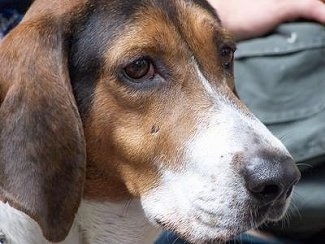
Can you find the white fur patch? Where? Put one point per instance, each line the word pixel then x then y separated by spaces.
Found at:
pixel 18 227
pixel 115 223
pixel 96 223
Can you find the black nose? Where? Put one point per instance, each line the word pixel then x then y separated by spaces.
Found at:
pixel 270 176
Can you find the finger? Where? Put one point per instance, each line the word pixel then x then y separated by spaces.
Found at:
pixel 314 10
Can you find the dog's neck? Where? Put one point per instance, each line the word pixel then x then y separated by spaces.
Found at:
pixel 96 223
pixel 115 223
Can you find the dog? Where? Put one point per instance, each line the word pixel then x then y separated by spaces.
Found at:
pixel 119 118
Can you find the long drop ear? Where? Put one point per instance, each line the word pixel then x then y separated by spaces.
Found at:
pixel 42 146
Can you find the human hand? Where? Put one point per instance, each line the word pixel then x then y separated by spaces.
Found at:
pixel 251 18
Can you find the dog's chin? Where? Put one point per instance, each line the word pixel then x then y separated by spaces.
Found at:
pixel 205 229
pixel 202 233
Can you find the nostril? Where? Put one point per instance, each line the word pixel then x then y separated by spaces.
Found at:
pixel 270 190
pixel 265 192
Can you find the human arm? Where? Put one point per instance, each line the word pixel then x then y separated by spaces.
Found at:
pixel 251 18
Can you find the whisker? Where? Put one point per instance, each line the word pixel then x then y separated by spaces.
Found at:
pixel 305 165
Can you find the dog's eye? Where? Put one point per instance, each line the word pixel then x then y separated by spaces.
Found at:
pixel 227 56
pixel 140 70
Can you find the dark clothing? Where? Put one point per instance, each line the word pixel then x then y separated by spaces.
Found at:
pixel 19 5
pixel 11 13
pixel 170 238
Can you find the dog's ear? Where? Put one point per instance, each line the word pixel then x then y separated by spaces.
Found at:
pixel 42 147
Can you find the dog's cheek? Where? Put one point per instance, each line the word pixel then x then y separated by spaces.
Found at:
pixel 141 180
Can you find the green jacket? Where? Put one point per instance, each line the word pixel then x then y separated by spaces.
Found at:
pixel 281 77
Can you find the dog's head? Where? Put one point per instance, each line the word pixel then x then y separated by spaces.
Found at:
pixel 147 85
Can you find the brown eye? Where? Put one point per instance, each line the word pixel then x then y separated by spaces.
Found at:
pixel 139 70
pixel 227 55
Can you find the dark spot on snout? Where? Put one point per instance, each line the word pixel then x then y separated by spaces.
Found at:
pixel 155 129
pixel 238 159
pixel 257 140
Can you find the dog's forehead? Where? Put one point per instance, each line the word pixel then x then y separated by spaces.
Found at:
pixel 120 26
pixel 171 7
pixel 126 25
